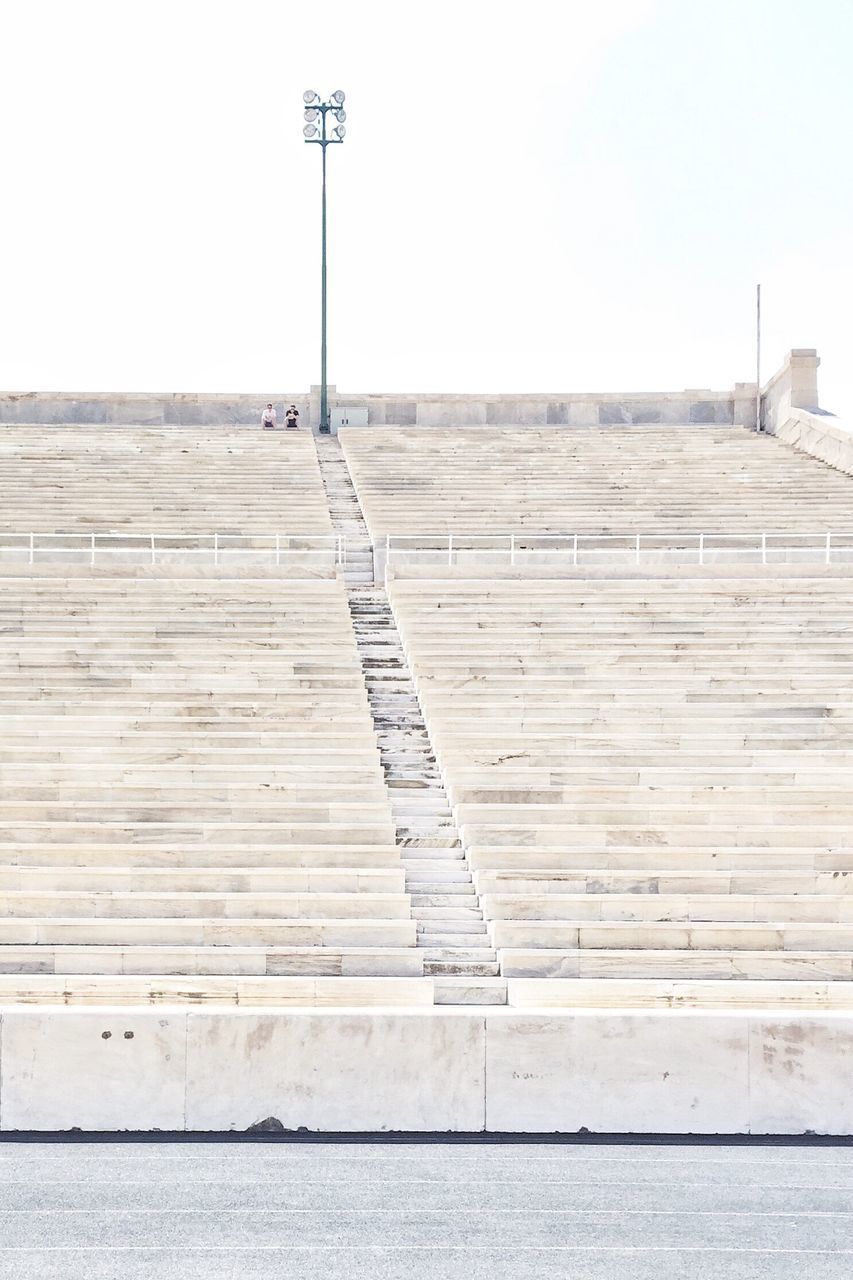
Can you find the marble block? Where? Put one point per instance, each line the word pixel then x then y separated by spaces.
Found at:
pixel 102 1069
pixel 336 1071
pixel 674 1072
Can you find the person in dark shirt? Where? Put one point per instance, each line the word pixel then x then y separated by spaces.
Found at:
pixel 291 418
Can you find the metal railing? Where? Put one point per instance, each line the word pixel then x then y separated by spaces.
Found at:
pixel 518 547
pixel 169 548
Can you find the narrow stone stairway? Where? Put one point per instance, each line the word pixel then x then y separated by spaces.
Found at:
pixel 345 512
pixel 451 930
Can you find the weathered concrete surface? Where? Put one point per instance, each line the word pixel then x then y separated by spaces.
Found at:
pixel 427 1070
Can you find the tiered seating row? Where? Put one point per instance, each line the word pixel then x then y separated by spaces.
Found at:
pixel 171 480
pixel 191 783
pixel 651 776
pixel 608 480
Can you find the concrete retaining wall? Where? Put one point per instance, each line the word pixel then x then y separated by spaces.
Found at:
pixel 466 1070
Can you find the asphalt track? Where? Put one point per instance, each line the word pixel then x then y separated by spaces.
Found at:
pixel 435 1209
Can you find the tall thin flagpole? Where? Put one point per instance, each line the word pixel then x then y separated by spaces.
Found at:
pixel 758 426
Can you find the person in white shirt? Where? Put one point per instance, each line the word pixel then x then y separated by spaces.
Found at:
pixel 268 418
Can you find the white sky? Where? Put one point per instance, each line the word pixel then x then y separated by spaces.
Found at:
pixel 560 195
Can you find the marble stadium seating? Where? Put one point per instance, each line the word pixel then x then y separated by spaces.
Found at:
pixel 217 779
pixel 650 775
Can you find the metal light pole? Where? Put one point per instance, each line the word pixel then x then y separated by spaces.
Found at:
pixel 316 111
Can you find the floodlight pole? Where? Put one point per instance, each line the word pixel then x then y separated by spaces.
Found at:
pixel 313 107
pixel 324 385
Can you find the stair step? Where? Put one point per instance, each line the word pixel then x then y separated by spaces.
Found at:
pixel 461 968
pixel 441 872
pixel 422 842
pixel 416 859
pixel 469 989
pixel 457 892
pixel 448 918
pixel 408 840
pixel 444 902
pixel 469 929
pixel 459 945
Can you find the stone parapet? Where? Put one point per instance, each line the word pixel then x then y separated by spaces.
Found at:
pixel 794 386
pixel 720 408
pixel 820 435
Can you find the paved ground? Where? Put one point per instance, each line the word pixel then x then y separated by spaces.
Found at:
pixel 432 1211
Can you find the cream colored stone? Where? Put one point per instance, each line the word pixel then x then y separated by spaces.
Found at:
pixel 336 1071
pixel 801 1074
pixel 655 1072
pixel 110 1069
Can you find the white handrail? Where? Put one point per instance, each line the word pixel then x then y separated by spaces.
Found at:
pixel 42 546
pixel 518 544
pixel 628 536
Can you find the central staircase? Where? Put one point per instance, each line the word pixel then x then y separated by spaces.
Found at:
pixel 458 951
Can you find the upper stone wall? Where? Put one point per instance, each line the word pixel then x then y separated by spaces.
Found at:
pixel 793 386
pixel 721 408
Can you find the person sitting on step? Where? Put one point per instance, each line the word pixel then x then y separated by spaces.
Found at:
pixel 268 418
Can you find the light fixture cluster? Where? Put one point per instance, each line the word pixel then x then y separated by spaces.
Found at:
pixel 315 116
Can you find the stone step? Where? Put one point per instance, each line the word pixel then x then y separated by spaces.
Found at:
pixel 129 991
pixel 410 842
pixel 421 876
pixel 664 993
pixel 400 784
pixel 431 914
pixel 674 857
pixel 450 965
pixel 178 855
pixel 780 935
pixel 450 920
pixel 470 990
pixel 607 963
pixel 119 931
pixel 720 908
pixel 443 945
pixel 197 960
pixel 174 904
pixel 462 890
pixel 421 801
pixel 176 879
pixel 665 882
